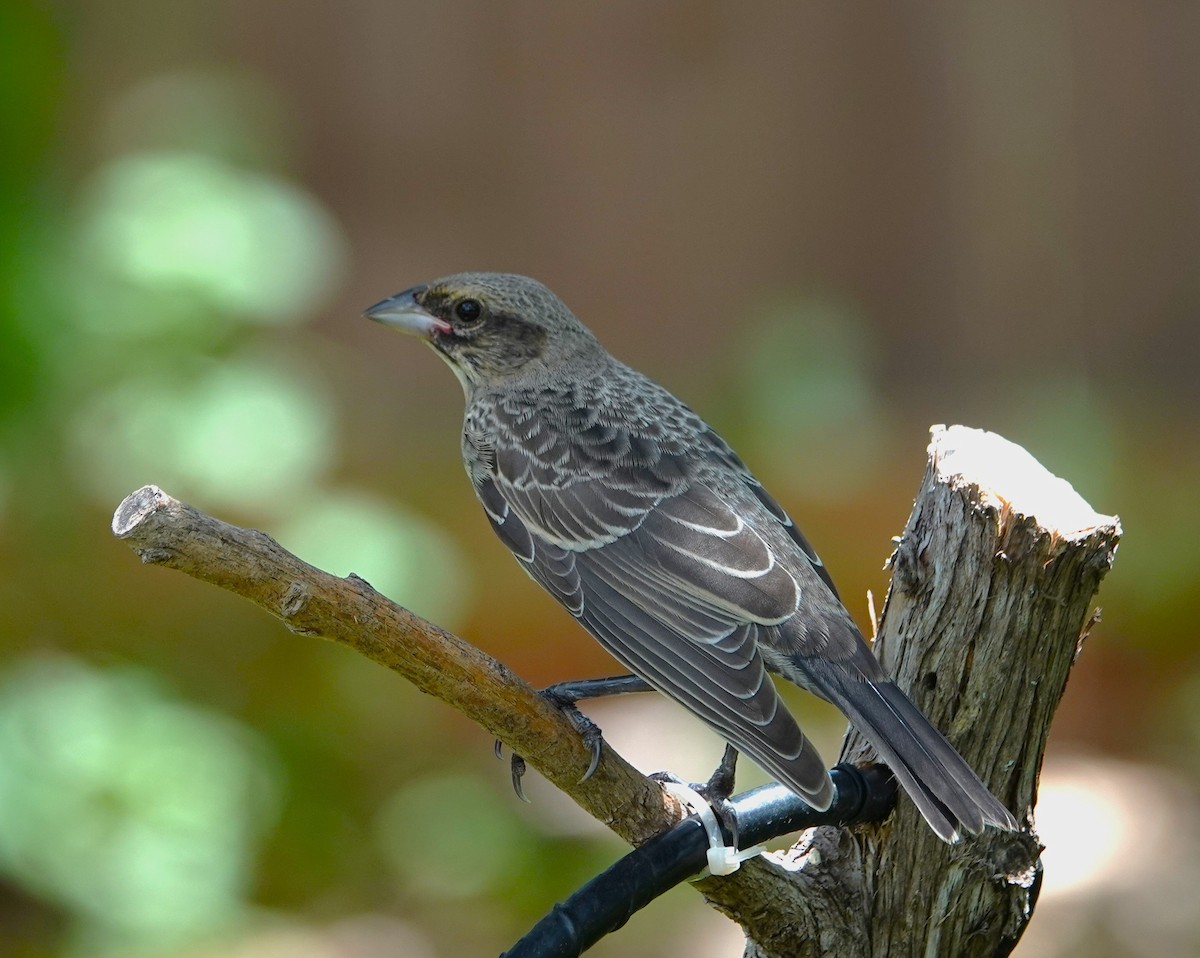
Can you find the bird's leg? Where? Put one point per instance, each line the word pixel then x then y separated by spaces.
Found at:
pixel 716 791
pixel 720 784
pixel 564 696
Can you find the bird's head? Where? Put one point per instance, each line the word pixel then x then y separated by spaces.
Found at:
pixel 492 328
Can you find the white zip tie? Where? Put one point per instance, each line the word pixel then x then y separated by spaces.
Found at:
pixel 722 859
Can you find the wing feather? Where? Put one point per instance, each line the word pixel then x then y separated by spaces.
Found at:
pixel 740 704
pixel 660 606
pixel 678 577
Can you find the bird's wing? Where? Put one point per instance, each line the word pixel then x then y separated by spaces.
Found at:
pixel 792 530
pixel 678 586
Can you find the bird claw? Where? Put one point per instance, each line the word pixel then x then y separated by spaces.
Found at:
pixel 518 771
pixel 588 730
pixel 594 740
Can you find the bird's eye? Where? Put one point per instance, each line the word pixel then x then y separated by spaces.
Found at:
pixel 468 310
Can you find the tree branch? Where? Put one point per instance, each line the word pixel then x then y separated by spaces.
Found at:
pixel 992 582
pixel 166 532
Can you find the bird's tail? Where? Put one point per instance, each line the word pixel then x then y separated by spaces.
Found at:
pixel 939 781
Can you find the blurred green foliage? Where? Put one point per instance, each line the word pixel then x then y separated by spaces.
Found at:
pixel 153 327
pixel 137 814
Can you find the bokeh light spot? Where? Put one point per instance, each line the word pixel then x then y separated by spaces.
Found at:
pixel 240 241
pixel 137 812
pixel 238 433
pixel 407 558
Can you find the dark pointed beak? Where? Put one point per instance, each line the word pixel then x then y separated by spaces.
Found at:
pixel 407 315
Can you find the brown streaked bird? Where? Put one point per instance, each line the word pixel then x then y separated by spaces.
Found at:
pixel 645 525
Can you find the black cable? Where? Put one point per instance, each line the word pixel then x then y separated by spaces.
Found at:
pixel 609 900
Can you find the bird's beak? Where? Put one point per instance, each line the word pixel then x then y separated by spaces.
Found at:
pixel 407 315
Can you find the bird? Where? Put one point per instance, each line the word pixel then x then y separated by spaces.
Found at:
pixel 630 510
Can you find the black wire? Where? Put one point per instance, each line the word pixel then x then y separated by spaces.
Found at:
pixel 609 900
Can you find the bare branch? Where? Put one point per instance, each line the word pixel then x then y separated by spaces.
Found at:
pixel 166 532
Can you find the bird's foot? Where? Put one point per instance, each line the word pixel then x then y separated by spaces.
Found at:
pixel 716 792
pixel 563 697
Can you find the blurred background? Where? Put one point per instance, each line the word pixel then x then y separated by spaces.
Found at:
pixel 826 226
